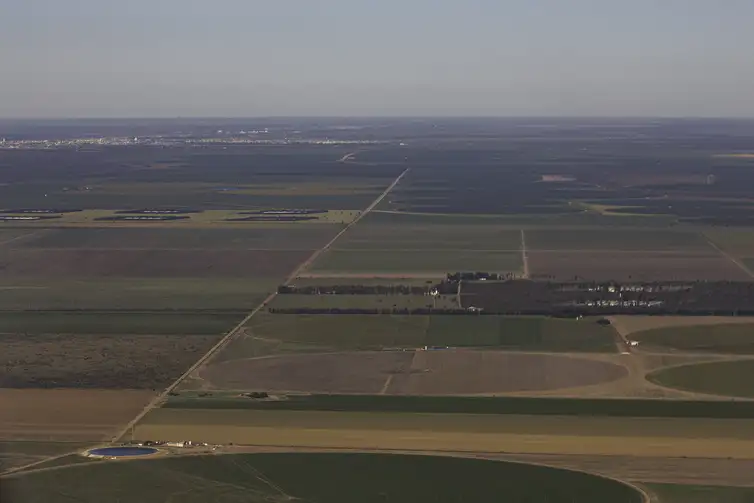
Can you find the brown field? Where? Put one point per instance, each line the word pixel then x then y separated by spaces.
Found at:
pixel 626 325
pixel 67 414
pixel 637 266
pixel 421 372
pixel 465 433
pixel 98 361
pixel 71 263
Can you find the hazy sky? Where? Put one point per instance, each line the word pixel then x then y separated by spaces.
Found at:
pixel 144 58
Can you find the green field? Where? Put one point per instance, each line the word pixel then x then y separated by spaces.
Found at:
pixel 476 405
pixel 104 322
pixel 613 239
pixel 135 293
pixel 364 302
pixel 727 378
pixel 521 333
pixel 426 261
pixel 369 332
pixel 332 478
pixel 671 493
pixel 725 338
pixel 339 332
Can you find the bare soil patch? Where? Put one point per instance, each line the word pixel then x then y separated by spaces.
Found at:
pixel 422 372
pixel 67 414
pixel 627 325
pixel 472 372
pixel 635 266
pixel 364 372
pixel 97 361
pixel 89 263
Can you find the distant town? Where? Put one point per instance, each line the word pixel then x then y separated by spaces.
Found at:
pixel 257 137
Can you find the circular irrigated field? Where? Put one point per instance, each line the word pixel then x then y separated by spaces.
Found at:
pixel 734 338
pixel 727 378
pixel 450 372
pixel 333 478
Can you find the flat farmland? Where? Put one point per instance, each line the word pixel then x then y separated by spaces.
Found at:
pixel 634 266
pixel 92 361
pixel 430 237
pixel 670 493
pixel 366 477
pixel 449 372
pixel 628 325
pixel 107 322
pixel 67 415
pixel 299 238
pixel 22 452
pixel 741 429
pixel 389 280
pixel 522 333
pixel 270 333
pixel 616 239
pixel 10 236
pixel 738 242
pixel 734 378
pixel 135 294
pixel 460 433
pixel 93 263
pixel 364 302
pixel 732 338
pixel 333 332
pixel 425 261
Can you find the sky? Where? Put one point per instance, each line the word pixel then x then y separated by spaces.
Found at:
pixel 252 58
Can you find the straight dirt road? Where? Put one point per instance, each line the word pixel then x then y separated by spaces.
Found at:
pixel 524 255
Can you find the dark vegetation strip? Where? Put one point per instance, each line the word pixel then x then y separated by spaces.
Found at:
pixel 482 405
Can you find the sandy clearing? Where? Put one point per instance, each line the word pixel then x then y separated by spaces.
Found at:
pixel 66 414
pixel 627 325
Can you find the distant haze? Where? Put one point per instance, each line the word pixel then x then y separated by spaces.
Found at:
pixel 169 58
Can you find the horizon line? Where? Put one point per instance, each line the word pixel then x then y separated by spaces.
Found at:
pixel 366 117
